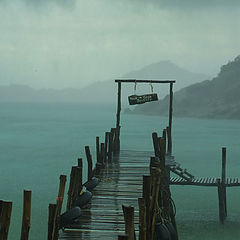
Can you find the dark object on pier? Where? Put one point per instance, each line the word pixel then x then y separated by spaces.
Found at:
pixel 171 230
pixel 161 232
pixel 140 99
pixel 70 216
pixel 90 185
pixel 83 199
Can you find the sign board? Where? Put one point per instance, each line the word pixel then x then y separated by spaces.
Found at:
pixel 140 99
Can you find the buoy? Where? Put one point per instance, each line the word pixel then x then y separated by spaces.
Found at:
pixel 69 217
pixel 91 184
pixel 161 232
pixel 83 199
pixel 171 230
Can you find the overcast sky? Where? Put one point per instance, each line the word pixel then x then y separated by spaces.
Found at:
pixel 67 43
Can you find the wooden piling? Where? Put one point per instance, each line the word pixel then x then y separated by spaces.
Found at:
pixel 117 136
pixel 59 202
pixel 89 161
pixel 51 214
pixel 123 237
pixel 220 201
pixel 147 199
pixel 128 213
pixel 223 179
pixel 142 219
pixel 170 119
pixel 26 214
pixel 106 146
pixel 102 154
pixel 110 146
pixel 5 219
pixel 156 144
pixel 97 149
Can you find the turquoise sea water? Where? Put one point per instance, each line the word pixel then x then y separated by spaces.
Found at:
pixel 38 142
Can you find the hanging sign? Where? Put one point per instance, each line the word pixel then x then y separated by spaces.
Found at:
pixel 140 99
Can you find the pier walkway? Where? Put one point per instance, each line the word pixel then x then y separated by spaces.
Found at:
pixel 121 183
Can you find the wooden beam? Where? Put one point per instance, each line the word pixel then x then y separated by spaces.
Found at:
pixel 143 81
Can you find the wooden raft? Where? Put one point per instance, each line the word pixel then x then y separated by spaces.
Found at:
pixel 121 183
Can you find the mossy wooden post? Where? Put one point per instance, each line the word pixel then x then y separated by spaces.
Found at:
pixel 110 146
pixel 71 188
pixel 117 134
pixel 5 219
pixel 97 149
pixel 26 214
pixel 51 214
pixel 63 179
pixel 128 213
pixel 102 154
pixel 146 196
pixel 142 219
pixel 170 118
pixel 89 161
pixel 123 237
pixel 155 192
pixel 220 201
pixel 106 146
pixel 156 144
pixel 223 180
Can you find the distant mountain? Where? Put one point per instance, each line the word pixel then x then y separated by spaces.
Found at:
pixel 104 91
pixel 218 98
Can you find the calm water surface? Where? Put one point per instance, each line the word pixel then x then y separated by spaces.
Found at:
pixel 38 142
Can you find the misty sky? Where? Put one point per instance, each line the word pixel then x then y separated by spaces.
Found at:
pixel 67 43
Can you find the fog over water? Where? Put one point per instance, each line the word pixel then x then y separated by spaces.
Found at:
pixel 71 43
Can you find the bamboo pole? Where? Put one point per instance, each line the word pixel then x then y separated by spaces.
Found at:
pixel 51 214
pixel 26 215
pixel 5 219
pixel 128 213
pixel 59 202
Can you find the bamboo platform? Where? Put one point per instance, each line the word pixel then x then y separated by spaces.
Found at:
pixel 121 183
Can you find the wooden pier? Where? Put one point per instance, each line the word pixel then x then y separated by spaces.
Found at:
pixel 121 184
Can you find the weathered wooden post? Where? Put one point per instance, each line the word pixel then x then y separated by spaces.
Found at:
pixel 117 134
pixel 51 214
pixel 89 161
pixel 110 146
pixel 156 144
pixel 26 214
pixel 123 237
pixel 5 218
pixel 223 180
pixel 170 118
pixel 142 219
pixel 220 201
pixel 106 146
pixel 63 179
pixel 128 213
pixel 147 196
pixel 97 149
